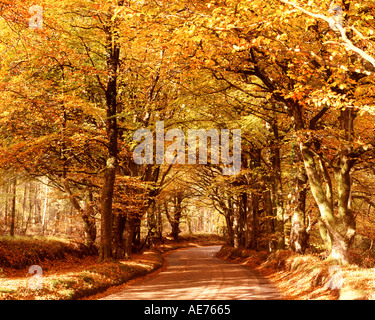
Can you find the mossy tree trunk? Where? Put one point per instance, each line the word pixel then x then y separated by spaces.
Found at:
pixel 340 223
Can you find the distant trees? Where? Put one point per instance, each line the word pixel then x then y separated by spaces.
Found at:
pixel 33 207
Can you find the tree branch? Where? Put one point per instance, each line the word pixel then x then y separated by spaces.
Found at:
pixel 345 41
pixel 356 153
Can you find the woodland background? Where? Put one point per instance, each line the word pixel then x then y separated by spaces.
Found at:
pixel 296 77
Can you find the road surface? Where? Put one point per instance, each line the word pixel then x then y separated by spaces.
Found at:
pixel 196 273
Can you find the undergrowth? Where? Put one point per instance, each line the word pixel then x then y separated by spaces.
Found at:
pixel 20 252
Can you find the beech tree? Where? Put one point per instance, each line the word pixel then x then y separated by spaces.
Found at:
pixel 302 74
pixel 340 224
pixel 46 130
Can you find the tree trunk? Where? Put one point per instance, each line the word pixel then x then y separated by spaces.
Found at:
pixel 13 208
pixel 129 230
pixel 276 184
pixel 119 221
pixel 89 227
pixel 159 224
pixel 44 216
pixel 106 211
pixel 31 206
pixel 269 221
pixel 137 233
pixel 236 226
pixel 229 223
pixel 299 233
pixel 345 220
pixel 174 220
pixel 247 219
pixel 113 61
pixel 176 226
pixel 6 209
pixel 252 214
pixel 340 226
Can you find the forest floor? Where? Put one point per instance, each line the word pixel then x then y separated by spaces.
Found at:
pixel 307 277
pixel 70 272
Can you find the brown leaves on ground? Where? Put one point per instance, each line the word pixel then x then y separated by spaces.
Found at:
pixel 68 269
pixel 69 273
pixel 73 278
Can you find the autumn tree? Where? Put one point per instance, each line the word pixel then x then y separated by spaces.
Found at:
pixel 296 78
pixel 49 118
pixel 339 221
pixel 301 74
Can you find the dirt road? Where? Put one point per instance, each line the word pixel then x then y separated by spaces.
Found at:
pixel 196 273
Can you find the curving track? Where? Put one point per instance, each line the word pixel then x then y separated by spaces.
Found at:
pixel 196 273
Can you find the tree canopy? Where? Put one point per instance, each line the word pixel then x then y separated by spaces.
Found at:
pixel 79 78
